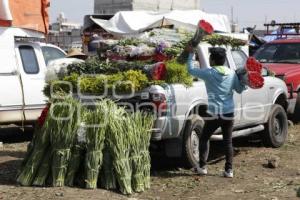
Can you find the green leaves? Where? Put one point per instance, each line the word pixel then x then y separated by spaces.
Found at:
pixel 221 40
pixel 177 73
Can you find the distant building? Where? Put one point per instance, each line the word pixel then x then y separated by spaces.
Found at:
pixel 65 34
pixel 113 6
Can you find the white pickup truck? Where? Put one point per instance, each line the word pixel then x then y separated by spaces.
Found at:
pixel 23 64
pixel 181 110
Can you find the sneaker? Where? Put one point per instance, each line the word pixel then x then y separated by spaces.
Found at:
pixel 201 171
pixel 228 173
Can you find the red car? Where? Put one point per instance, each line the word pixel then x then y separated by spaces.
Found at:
pixel 282 57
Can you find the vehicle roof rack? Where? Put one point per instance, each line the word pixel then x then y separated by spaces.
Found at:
pixel 281 28
pixel 29 39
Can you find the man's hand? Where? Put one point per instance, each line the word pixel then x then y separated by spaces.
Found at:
pixel 189 48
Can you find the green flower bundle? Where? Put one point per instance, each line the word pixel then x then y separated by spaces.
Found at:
pixel 36 152
pixel 77 152
pixel 119 142
pixel 146 125
pixel 96 127
pixel 107 176
pixel 62 137
pixel 177 73
pixel 139 125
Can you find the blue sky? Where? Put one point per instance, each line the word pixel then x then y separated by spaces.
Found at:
pixel 247 13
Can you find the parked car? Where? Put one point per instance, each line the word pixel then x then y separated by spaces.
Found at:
pixel 23 61
pixel 181 110
pixel 283 58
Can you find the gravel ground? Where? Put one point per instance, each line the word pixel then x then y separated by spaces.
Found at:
pixel 253 179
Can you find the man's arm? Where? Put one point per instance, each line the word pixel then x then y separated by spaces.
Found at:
pixel 237 85
pixel 195 71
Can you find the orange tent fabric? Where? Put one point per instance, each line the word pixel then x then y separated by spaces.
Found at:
pixel 29 14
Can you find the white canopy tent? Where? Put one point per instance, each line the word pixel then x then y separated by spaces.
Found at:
pixel 135 22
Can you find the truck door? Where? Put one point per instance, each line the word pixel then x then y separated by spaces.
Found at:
pixel 10 87
pixel 237 98
pixel 254 102
pixel 32 69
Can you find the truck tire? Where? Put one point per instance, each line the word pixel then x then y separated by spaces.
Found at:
pixel 276 129
pixel 296 114
pixel 192 133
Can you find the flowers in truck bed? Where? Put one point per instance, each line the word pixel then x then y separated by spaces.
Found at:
pixel 158 49
pixel 159 71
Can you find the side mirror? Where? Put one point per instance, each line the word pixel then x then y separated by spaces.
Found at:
pixel 265 72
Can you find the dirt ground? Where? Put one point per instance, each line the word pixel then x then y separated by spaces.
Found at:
pixel 253 180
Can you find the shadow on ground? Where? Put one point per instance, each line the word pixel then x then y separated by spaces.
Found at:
pixel 8 172
pixel 161 163
pixel 15 134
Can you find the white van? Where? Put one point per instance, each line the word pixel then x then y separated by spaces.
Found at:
pixel 23 61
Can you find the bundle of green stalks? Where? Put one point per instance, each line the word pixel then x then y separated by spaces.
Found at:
pixel 30 148
pixel 36 152
pixel 77 152
pixel 146 125
pixel 135 129
pixel 107 175
pixel 65 127
pixel 96 126
pixel 109 147
pixel 77 156
pixel 44 169
pixel 118 139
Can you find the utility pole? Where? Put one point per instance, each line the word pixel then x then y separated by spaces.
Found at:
pixel 232 21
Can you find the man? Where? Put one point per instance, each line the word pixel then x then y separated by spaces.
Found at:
pixel 220 82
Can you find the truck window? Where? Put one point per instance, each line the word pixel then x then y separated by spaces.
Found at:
pixel 51 53
pixel 239 58
pixel 279 53
pixel 29 60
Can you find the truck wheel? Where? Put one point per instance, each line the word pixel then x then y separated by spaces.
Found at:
pixel 276 129
pixel 192 132
pixel 296 114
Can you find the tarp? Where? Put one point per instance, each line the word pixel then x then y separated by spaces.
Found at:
pixel 29 14
pixel 134 22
